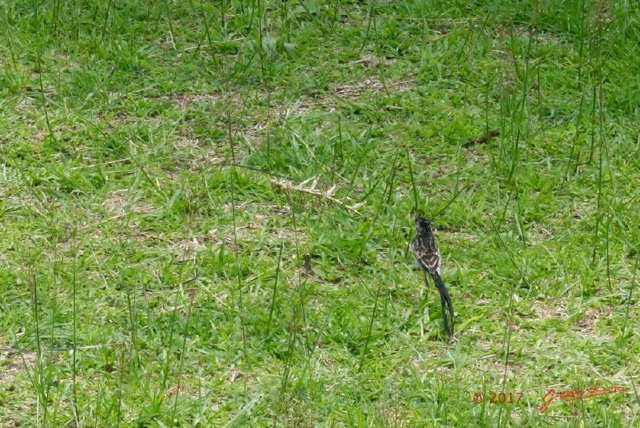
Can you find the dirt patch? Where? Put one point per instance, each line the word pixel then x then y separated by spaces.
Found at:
pixel 370 85
pixel 116 201
pixel 13 363
pixel 183 101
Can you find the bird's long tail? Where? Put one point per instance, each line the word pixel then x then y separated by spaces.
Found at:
pixel 447 306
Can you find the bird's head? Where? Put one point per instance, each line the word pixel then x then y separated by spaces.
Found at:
pixel 423 225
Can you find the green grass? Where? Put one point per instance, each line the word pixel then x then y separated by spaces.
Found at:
pixel 167 167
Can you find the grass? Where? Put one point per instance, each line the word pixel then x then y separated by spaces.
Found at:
pixel 207 208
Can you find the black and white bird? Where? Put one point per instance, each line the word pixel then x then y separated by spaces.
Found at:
pixel 427 256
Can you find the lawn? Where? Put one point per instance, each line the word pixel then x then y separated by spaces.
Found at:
pixel 207 208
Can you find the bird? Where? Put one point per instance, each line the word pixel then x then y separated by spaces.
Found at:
pixel 427 257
